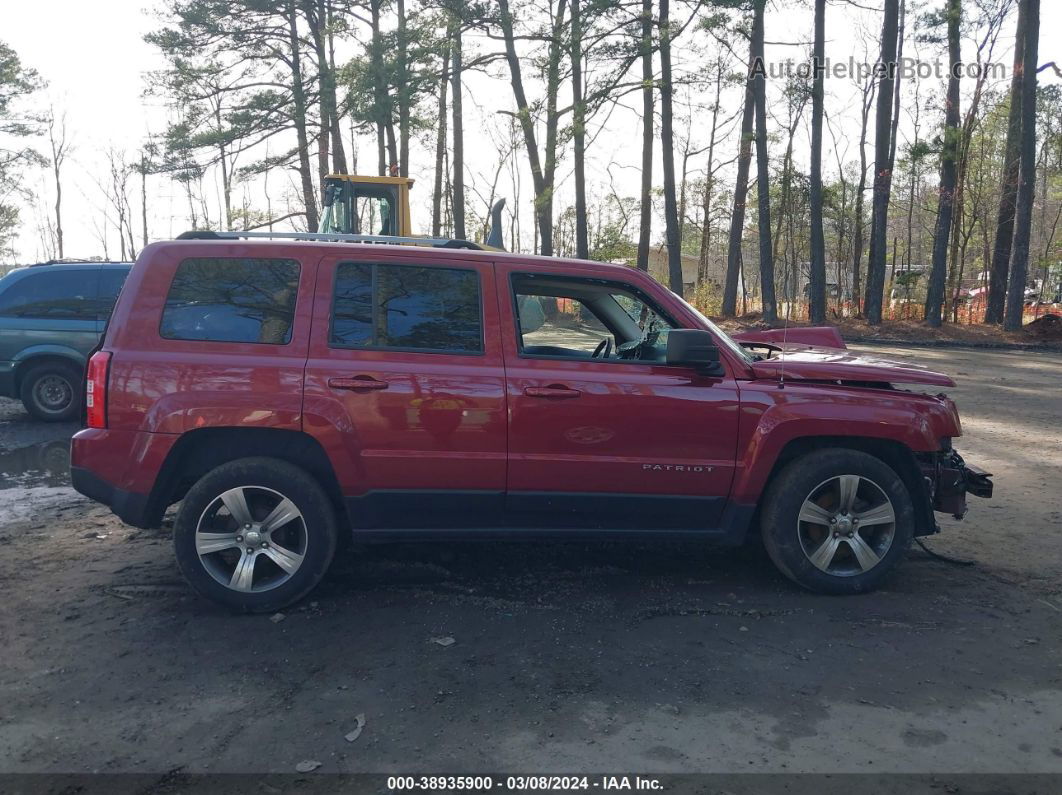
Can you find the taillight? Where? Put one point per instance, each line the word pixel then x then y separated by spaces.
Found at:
pixel 96 389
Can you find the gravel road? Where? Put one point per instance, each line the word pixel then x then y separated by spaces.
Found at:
pixel 610 657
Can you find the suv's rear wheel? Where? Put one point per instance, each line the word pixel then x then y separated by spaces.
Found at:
pixel 52 391
pixel 837 521
pixel 255 534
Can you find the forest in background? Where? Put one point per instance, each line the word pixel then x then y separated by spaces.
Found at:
pixel 955 218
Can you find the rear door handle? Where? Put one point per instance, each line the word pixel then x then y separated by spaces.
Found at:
pixel 357 383
pixel 551 391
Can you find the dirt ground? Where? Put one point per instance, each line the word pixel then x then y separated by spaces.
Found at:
pixel 608 657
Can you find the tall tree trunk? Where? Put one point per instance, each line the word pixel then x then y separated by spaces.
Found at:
pixel 861 189
pixel 818 237
pixel 143 200
pixel 763 174
pixel 882 170
pixel 948 157
pixel 380 104
pixel 339 155
pixel 1019 258
pixel 709 184
pixel 315 22
pixel 896 85
pixel 403 92
pixel 1008 197
pixel 645 225
pixel 392 147
pixel 741 193
pixel 582 235
pixel 298 93
pixel 458 159
pixel 440 147
pixel 970 120
pixel 57 165
pixel 226 176
pixel 915 176
pixel 783 206
pixel 381 150
pixel 541 175
pixel 667 142
pixel 553 81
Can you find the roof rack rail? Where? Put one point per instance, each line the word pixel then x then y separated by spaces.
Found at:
pixel 68 261
pixel 324 237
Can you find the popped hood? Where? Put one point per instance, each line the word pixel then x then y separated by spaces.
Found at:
pixel 799 362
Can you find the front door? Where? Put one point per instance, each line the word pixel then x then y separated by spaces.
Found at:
pixel 405 385
pixel 602 432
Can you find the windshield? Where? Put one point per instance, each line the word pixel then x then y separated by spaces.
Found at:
pixel 721 335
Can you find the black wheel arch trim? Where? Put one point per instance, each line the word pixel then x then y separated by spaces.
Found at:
pixel 198 451
pixel 903 461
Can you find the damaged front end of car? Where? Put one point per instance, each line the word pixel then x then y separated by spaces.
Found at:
pixel 949 479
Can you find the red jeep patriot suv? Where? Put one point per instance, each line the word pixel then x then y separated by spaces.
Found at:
pixel 287 392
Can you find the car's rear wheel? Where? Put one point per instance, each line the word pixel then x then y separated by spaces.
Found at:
pixel 52 391
pixel 837 521
pixel 255 534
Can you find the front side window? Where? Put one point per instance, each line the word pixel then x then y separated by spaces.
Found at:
pixel 587 318
pixel 232 299
pixel 407 307
pixel 53 294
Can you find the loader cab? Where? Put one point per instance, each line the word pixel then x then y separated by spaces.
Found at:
pixel 357 205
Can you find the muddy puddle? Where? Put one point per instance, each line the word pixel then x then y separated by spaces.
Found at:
pixel 35 465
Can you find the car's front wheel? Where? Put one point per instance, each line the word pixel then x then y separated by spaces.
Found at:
pixel 255 534
pixel 837 521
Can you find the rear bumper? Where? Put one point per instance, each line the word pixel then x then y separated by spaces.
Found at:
pixel 129 506
pixel 120 468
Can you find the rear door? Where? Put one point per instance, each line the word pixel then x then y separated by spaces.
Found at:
pixel 405 388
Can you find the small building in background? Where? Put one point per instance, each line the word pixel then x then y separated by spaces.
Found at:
pixel 714 272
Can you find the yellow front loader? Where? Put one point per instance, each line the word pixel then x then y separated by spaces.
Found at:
pixel 356 205
pixel 379 206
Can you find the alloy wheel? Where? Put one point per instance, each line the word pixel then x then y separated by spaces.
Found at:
pixel 846 525
pixel 251 539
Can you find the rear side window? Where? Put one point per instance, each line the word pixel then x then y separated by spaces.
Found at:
pixel 54 294
pixel 407 307
pixel 232 299
pixel 111 281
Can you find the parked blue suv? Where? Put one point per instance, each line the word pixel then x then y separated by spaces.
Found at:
pixel 51 317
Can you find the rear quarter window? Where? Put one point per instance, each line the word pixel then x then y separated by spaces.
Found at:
pixel 232 299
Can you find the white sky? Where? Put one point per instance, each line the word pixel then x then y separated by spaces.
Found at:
pixel 94 58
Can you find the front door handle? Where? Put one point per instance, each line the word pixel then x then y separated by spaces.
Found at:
pixel 357 383
pixel 551 391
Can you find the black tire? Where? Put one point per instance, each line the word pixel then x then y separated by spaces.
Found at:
pixel 316 529
pixel 791 543
pixel 52 391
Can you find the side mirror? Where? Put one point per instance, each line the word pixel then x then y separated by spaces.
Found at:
pixel 693 348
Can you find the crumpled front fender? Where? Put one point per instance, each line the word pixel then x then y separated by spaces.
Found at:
pixel 772 417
